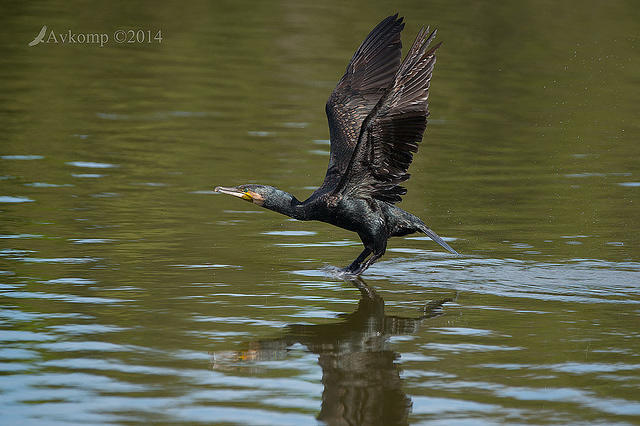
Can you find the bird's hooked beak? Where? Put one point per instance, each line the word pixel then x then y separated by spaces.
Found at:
pixel 236 192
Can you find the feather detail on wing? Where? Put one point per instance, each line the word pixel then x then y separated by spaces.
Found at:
pixel 369 74
pixel 392 131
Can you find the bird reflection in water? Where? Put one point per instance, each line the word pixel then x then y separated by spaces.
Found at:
pixel 361 379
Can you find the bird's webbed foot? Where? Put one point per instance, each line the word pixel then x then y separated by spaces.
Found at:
pixel 356 266
pixel 359 265
pixel 365 265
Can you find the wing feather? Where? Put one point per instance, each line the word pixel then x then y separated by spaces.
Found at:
pixel 369 74
pixel 391 133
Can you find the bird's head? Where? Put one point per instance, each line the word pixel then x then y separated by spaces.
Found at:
pixel 257 194
pixel 265 196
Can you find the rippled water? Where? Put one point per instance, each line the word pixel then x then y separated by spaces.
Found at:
pixel 131 293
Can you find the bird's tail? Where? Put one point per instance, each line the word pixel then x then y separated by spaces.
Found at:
pixel 435 237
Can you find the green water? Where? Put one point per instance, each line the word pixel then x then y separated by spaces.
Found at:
pixel 130 293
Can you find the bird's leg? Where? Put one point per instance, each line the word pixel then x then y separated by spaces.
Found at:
pixel 379 247
pixel 355 265
pixel 363 267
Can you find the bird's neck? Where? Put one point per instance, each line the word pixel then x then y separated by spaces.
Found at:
pixel 286 204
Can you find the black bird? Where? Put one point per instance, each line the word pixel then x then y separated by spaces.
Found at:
pixel 377 116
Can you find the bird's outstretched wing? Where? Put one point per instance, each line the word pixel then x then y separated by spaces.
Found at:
pixel 369 73
pixel 391 132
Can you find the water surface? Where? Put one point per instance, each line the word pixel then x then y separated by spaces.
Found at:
pixel 131 293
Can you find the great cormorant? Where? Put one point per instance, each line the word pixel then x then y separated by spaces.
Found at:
pixel 377 116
